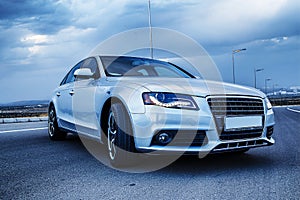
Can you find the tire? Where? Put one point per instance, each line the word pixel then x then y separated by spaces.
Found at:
pixel 53 130
pixel 120 142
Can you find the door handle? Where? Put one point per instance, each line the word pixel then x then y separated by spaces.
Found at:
pixel 58 94
pixel 71 92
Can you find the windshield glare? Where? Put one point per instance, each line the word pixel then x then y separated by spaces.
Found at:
pixel 141 67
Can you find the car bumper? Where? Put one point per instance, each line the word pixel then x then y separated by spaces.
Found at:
pixel 157 119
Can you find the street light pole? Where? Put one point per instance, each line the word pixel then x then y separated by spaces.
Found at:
pixel 266 80
pixel 233 75
pixel 256 70
pixel 233 70
pixel 150 27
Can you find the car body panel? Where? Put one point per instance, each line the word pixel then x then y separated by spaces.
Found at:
pixel 63 101
pixel 194 87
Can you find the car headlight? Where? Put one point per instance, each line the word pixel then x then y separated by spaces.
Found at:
pixel 169 100
pixel 268 103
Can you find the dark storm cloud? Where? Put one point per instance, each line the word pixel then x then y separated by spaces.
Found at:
pixel 39 16
pixel 12 9
pixel 228 23
pixel 286 23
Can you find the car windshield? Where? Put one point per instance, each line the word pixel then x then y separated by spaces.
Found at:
pixel 141 67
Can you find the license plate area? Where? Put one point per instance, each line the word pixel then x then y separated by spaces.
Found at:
pixel 245 122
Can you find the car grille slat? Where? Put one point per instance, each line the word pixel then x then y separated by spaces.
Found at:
pixel 240 145
pixel 222 107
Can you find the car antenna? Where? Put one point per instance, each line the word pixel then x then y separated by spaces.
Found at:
pixel 150 29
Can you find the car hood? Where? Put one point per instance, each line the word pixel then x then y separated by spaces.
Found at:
pixel 194 87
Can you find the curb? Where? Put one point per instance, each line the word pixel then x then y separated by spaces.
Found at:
pixel 22 120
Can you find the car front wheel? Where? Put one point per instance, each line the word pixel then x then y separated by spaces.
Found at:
pixel 53 130
pixel 120 143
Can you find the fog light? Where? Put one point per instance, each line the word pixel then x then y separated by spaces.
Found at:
pixel 163 138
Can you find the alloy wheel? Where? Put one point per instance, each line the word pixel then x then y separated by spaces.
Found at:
pixel 111 136
pixel 51 121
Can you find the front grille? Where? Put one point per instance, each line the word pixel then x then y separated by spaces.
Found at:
pixel 242 134
pixel 222 107
pixel 183 138
pixel 235 106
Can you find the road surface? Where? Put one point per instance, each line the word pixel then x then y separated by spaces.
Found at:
pixel 33 167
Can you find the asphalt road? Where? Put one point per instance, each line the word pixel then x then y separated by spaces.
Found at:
pixel 33 167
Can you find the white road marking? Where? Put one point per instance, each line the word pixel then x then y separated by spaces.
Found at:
pixel 293 110
pixel 20 130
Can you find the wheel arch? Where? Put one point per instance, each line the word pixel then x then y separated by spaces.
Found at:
pixel 105 112
pixel 51 104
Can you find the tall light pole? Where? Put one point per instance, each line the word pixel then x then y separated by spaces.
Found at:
pixel 266 80
pixel 150 27
pixel 234 52
pixel 256 70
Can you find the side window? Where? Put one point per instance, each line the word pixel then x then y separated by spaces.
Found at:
pixel 70 77
pixel 166 72
pixel 91 63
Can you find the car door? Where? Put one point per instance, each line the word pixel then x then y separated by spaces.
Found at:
pixel 64 96
pixel 84 110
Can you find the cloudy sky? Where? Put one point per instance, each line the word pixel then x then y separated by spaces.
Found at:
pixel 42 39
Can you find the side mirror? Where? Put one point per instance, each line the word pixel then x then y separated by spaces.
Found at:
pixel 83 73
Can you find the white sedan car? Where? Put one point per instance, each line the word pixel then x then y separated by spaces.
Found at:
pixel 139 105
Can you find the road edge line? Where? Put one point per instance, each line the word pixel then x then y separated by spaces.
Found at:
pixel 20 130
pixel 296 111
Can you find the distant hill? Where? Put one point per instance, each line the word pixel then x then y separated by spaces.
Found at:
pixel 25 103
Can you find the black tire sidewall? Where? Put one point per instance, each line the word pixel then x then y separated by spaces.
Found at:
pixel 57 134
pixel 124 139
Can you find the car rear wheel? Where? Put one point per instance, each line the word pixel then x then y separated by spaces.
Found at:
pixel 120 142
pixel 53 130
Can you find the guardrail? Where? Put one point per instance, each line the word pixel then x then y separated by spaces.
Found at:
pixel 23 111
pixel 284 100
